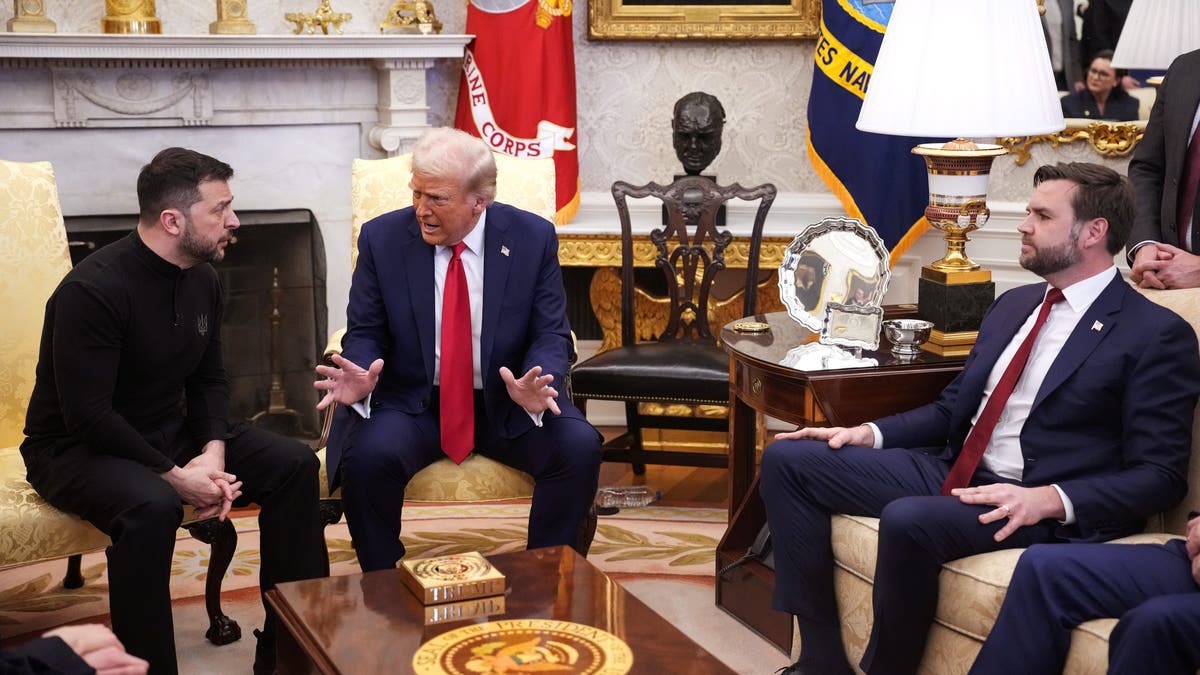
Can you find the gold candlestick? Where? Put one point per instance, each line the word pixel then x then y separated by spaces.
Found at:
pixel 29 16
pixel 130 16
pixel 232 19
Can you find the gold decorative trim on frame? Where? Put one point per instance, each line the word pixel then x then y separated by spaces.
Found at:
pixel 650 314
pixel 604 250
pixel 650 20
pixel 1110 139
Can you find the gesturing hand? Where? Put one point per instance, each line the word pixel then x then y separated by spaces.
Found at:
pixel 861 435
pixel 533 391
pixel 1020 505
pixel 346 382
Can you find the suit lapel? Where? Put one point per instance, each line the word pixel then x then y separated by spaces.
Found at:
pixel 418 265
pixel 498 251
pixel 1093 326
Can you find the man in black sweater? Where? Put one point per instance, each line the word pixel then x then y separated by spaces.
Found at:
pixel 128 418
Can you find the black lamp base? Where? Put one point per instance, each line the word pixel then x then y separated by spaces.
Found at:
pixel 955 303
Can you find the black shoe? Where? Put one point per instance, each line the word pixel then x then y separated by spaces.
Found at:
pixel 264 654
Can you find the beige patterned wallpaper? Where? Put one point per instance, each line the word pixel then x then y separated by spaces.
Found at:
pixel 626 90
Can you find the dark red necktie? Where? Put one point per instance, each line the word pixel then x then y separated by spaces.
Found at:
pixel 456 395
pixel 1187 190
pixel 977 439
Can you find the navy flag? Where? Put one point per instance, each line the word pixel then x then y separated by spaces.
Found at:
pixel 876 177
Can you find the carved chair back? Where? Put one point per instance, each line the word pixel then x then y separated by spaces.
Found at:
pixel 689 250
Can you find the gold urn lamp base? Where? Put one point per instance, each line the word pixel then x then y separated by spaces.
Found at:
pixel 954 292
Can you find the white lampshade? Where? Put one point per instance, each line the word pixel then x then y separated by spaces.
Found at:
pixel 968 68
pixel 1156 31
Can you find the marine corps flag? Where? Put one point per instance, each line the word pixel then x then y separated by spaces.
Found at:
pixel 876 177
pixel 518 86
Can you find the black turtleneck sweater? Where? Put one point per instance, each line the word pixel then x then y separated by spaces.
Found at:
pixel 128 339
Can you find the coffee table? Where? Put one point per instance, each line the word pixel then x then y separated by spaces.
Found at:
pixel 372 623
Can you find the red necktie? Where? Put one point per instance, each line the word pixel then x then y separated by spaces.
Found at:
pixel 457 395
pixel 1187 189
pixel 977 439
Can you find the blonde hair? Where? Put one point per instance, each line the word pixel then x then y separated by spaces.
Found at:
pixel 445 153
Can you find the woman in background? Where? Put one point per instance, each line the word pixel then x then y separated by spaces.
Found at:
pixel 1103 97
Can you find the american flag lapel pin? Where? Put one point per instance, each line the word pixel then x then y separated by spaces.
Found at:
pixel 1097 326
pixel 504 250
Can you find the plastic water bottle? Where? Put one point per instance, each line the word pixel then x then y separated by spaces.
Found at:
pixel 618 496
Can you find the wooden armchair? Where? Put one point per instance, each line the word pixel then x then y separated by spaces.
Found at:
pixel 33 259
pixel 683 363
pixel 381 186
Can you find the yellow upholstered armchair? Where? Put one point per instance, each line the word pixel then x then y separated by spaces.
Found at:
pixel 33 259
pixel 380 186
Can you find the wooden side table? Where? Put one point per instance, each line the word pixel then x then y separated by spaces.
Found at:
pixel 842 397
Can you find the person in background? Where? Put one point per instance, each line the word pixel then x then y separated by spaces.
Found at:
pixel 1103 98
pixel 1103 21
pixel 1058 23
pixel 1165 171
pixel 1154 589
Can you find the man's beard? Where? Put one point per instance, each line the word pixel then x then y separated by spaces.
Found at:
pixel 196 249
pixel 1051 260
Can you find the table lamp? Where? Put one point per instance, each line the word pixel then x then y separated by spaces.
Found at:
pixel 965 69
pixel 1155 32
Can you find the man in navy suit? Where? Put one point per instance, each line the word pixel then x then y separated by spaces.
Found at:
pixel 1153 588
pixel 1086 441
pixel 395 419
pixel 1158 256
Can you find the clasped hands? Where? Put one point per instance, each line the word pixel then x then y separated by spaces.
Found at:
pixel 1019 505
pixel 347 383
pixel 204 484
pixel 1158 265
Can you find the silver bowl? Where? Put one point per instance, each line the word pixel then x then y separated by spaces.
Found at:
pixel 907 335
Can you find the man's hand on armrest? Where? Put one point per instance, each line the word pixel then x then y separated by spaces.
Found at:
pixel 861 435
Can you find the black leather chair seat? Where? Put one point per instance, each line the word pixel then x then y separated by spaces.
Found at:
pixel 675 372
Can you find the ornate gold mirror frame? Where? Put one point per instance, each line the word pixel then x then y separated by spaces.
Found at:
pixel 665 20
pixel 1109 139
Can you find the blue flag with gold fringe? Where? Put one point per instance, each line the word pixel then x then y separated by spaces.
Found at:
pixel 876 177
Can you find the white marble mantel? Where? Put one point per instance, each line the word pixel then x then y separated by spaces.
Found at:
pixel 160 80
pixel 290 113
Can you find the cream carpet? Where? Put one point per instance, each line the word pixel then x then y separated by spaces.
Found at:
pixel 663 555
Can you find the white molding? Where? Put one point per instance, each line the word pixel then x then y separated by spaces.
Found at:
pixel 229 48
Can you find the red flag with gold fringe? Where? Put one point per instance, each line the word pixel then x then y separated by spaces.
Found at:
pixel 518 86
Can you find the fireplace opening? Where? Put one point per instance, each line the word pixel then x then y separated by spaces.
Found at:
pixel 274 270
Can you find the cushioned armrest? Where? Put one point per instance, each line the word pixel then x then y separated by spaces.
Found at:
pixel 334 346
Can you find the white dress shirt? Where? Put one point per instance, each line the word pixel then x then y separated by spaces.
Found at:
pixel 1003 455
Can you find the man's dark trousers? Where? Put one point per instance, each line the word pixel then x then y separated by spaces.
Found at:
pixel 141 512
pixel 1055 588
pixel 383 453
pixel 804 482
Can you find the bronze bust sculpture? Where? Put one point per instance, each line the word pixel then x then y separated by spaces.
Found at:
pixel 696 130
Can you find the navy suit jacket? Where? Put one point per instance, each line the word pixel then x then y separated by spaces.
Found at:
pixel 1157 166
pixel 1112 421
pixel 391 316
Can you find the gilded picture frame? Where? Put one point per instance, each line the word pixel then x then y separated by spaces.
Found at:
pixel 700 20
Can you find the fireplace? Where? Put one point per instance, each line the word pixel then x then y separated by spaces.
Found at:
pixel 276 263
